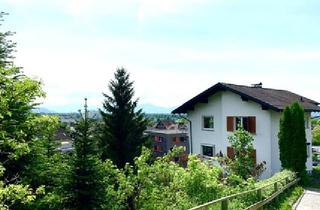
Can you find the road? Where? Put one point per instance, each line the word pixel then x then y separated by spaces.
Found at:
pixel 310 200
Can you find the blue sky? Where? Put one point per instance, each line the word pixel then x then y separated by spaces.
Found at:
pixel 173 49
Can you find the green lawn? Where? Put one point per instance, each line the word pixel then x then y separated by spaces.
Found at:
pixel 314 181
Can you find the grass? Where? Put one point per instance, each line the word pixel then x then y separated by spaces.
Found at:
pixel 314 178
pixel 286 200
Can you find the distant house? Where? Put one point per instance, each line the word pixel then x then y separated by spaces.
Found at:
pixel 65 140
pixel 165 135
pixel 216 113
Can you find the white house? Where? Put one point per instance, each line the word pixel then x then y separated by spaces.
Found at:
pixel 215 113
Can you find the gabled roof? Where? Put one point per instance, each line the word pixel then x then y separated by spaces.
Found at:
pixel 272 99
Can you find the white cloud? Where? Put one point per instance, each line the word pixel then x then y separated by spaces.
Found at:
pixel 164 75
pixel 91 8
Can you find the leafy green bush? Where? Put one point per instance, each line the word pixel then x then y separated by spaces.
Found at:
pixel 316 135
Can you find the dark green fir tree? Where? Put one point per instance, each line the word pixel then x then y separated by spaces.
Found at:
pixel 285 138
pixel 299 151
pixel 292 139
pixel 123 124
pixel 84 188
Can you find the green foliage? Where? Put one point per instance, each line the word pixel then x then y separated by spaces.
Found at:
pixel 17 98
pixel 123 126
pixel 292 139
pixel 286 200
pixel 243 163
pixel 315 122
pixel 45 165
pixel 6 46
pixel 316 135
pixel 163 184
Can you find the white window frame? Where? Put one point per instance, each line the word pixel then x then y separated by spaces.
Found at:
pixel 202 123
pixel 208 145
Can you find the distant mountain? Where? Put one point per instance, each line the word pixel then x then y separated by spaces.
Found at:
pixel 151 109
pixel 43 110
pixel 147 108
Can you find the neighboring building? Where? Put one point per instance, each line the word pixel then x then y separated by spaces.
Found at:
pixel 216 113
pixel 165 135
pixel 65 140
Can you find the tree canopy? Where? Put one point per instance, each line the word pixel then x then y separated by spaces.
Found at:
pixel 123 125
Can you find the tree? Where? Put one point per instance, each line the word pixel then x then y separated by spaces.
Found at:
pixel 292 139
pixel 84 189
pixel 316 135
pixel 243 162
pixel 299 149
pixel 6 46
pixel 17 98
pixel 285 138
pixel 123 126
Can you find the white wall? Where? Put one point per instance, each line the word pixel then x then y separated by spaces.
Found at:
pixel 233 105
pixel 200 136
pixel 309 140
pixel 275 127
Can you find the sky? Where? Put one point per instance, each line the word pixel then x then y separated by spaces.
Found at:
pixel 173 49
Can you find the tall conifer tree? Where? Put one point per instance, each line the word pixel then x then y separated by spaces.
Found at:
pixel 292 139
pixel 123 125
pixel 299 151
pixel 285 138
pixel 84 189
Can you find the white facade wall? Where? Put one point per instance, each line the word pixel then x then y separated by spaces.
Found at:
pixel 205 137
pixel 233 105
pixel 224 104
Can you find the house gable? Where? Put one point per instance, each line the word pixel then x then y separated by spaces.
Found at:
pixel 272 99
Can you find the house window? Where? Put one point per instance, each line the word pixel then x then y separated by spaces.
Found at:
pixel 247 123
pixel 207 122
pixel 176 140
pixel 207 150
pixel 308 149
pixel 157 148
pixel 182 138
pixel 158 138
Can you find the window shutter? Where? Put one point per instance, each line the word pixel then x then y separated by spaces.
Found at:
pixel 254 157
pixel 230 152
pixel 230 124
pixel 252 124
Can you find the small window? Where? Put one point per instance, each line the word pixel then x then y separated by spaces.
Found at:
pixel 157 148
pixel 308 149
pixel 158 138
pixel 207 150
pixel 247 123
pixel 207 122
pixel 176 140
pixel 238 122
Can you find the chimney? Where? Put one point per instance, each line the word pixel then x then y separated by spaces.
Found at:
pixel 258 85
